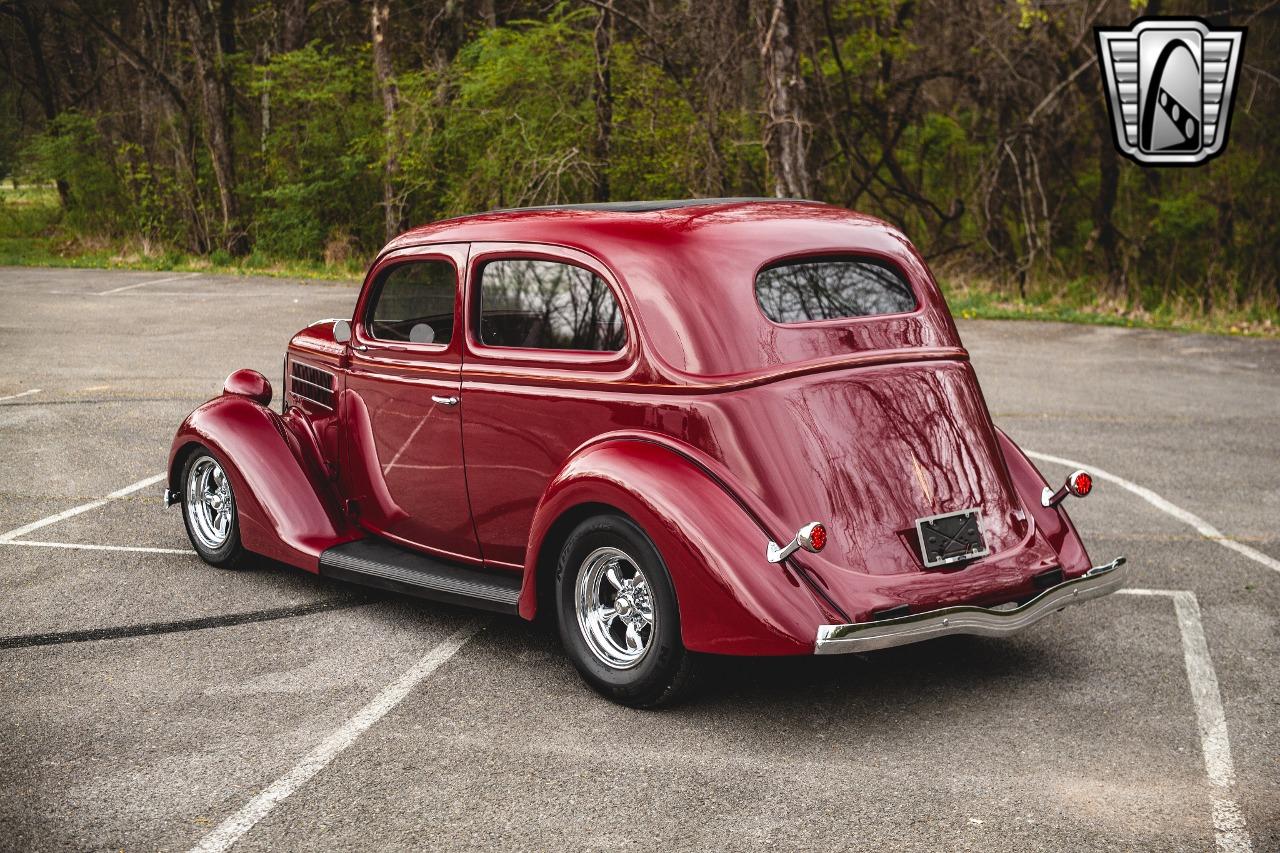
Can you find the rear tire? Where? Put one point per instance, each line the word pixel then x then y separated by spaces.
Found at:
pixel 617 614
pixel 209 511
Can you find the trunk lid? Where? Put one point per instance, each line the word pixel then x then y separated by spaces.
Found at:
pixel 868 451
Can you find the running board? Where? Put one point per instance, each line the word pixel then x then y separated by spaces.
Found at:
pixel 376 563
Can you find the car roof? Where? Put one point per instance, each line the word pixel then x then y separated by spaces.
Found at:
pixel 665 210
pixel 652 205
pixel 688 267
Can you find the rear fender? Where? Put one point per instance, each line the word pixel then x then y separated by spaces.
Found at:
pixel 731 600
pixel 286 508
pixel 1052 522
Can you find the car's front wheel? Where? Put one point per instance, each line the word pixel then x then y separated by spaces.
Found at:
pixel 209 511
pixel 617 614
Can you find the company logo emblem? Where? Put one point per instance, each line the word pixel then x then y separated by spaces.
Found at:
pixel 1170 86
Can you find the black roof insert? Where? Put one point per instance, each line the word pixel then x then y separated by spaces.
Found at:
pixel 651 206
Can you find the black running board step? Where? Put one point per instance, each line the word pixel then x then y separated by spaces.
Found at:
pixel 377 563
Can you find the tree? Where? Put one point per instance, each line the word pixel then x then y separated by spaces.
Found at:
pixel 31 21
pixel 393 203
pixel 211 30
pixel 602 95
pixel 978 127
pixel 785 127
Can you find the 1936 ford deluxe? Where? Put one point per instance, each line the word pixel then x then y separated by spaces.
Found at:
pixel 742 427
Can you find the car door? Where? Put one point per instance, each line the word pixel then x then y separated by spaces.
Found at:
pixel 549 345
pixel 401 410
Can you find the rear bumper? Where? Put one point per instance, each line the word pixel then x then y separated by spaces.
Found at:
pixel 983 621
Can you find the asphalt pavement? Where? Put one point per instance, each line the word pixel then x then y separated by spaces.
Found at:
pixel 150 702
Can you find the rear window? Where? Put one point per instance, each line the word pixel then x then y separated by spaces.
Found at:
pixel 809 289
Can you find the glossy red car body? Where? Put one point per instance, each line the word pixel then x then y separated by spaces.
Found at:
pixel 715 429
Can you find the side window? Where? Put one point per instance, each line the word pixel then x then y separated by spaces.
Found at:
pixel 547 305
pixel 413 303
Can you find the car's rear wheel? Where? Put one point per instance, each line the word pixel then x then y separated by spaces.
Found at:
pixel 209 511
pixel 617 614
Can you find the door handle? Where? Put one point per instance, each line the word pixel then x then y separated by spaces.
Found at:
pixel 359 347
pixel 444 401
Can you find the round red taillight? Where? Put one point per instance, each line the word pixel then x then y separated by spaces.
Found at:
pixel 1081 483
pixel 818 537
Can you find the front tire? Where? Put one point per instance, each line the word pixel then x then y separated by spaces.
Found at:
pixel 617 614
pixel 209 511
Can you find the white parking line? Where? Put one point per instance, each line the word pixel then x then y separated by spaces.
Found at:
pixel 1205 529
pixel 1228 821
pixel 6 538
pixel 230 830
pixel 83 546
pixel 145 283
pixel 22 394
pixel 1230 830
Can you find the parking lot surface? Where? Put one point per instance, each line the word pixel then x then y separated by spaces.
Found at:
pixel 151 702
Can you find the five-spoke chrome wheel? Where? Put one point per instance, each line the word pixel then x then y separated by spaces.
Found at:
pixel 615 607
pixel 617 613
pixel 210 507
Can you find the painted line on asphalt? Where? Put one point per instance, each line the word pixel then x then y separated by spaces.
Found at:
pixel 22 394
pixel 85 546
pixel 213 294
pixel 100 401
pixel 1228 821
pixel 23 641
pixel 6 538
pixel 1207 530
pixel 234 827
pixel 145 283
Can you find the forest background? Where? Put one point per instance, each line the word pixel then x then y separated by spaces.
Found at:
pixel 296 136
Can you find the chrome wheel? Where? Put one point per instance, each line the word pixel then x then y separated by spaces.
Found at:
pixel 210 507
pixel 614 607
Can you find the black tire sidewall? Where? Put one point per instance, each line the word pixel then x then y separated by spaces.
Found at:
pixel 648 680
pixel 225 556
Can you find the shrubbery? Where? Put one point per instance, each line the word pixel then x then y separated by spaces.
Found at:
pixel 980 131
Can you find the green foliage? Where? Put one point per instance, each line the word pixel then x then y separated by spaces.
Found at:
pixel 1029 15
pixel 72 150
pixel 519 128
pixel 318 180
pixel 657 148
pixel 979 129
pixel 27 213
pixel 154 196
pixel 10 134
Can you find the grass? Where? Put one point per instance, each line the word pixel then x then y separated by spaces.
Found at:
pixel 971 298
pixel 31 234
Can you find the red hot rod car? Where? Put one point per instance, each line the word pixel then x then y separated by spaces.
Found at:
pixel 742 427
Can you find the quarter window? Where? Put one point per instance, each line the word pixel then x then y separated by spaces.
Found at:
pixel 831 289
pixel 542 304
pixel 414 303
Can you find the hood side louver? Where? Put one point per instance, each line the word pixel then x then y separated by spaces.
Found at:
pixel 311 384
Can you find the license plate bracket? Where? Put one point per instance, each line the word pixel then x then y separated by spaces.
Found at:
pixel 951 537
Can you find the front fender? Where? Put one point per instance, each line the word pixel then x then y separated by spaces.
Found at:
pixel 731 600
pixel 286 509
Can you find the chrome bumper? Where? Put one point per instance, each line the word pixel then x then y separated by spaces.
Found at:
pixel 983 621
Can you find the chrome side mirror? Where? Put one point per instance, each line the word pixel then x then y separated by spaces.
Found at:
pixel 812 537
pixel 341 331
